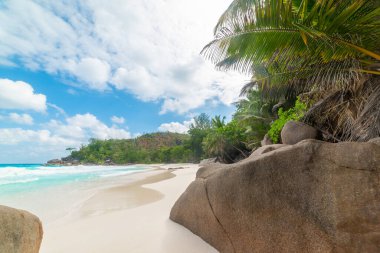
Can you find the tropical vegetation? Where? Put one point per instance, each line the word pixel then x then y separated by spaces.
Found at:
pixel 148 148
pixel 316 61
pixel 206 138
pixel 326 51
pixel 295 113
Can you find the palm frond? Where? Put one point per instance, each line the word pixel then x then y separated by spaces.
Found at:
pixel 321 47
pixel 295 38
pixel 348 115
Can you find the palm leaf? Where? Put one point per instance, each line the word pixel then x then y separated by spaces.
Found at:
pixel 324 47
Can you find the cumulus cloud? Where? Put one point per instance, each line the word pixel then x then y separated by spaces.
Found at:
pixel 176 127
pixel 11 136
pixel 117 120
pixel 25 119
pixel 86 126
pixel 54 137
pixel 74 130
pixel 20 96
pixel 147 48
pixel 32 146
pixel 93 71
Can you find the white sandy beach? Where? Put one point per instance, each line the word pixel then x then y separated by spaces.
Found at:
pixel 121 215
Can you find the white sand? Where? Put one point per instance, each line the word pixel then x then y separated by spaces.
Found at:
pixel 127 218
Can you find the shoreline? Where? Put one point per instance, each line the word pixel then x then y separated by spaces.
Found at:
pixel 120 214
pixel 122 197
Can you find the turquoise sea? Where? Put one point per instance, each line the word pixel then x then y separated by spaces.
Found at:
pixel 23 178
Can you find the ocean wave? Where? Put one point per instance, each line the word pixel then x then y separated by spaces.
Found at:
pixel 20 181
pixel 16 173
pixel 114 174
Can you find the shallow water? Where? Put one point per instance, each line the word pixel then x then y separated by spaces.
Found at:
pixel 52 192
pixel 22 178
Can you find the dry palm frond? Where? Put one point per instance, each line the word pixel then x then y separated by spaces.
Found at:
pixel 348 115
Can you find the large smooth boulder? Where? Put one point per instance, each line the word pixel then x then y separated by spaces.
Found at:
pixel 309 197
pixel 20 231
pixel 294 132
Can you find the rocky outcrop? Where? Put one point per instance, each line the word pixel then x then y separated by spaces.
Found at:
pixel 265 149
pixel 266 140
pixel 69 161
pixel 294 132
pixel 55 162
pixel 208 161
pixel 309 197
pixel 375 140
pixel 20 231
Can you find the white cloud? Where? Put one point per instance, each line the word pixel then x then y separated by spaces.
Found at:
pixel 20 96
pixel 58 109
pixel 25 119
pixel 75 130
pixel 11 136
pixel 92 71
pixel 147 48
pixel 54 137
pixel 86 126
pixel 176 127
pixel 32 146
pixel 117 120
pixel 67 131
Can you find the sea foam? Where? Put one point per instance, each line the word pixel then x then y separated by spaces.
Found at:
pixel 29 177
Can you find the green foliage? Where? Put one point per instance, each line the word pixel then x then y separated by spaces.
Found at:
pixel 225 141
pixel 324 42
pixel 207 137
pixel 295 114
pixel 326 49
pixel 198 131
pixel 255 116
pixel 149 148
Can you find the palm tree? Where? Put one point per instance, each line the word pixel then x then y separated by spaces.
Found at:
pixel 327 50
pixel 255 115
pixel 218 121
pixel 225 141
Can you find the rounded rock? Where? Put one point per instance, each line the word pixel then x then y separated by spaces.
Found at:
pixel 294 132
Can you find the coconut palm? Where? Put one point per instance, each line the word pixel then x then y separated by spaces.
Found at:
pixel 318 47
pixel 255 115
pixel 218 121
pixel 226 141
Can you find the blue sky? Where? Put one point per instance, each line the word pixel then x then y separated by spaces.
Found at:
pixel 74 70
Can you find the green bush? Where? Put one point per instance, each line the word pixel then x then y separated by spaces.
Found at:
pixel 295 113
pixel 225 141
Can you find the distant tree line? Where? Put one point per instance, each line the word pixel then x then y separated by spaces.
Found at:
pixel 207 137
pixel 149 148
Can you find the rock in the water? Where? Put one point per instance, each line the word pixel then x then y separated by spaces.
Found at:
pixel 20 231
pixel 294 132
pixel 55 162
pixel 266 141
pixel 309 197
